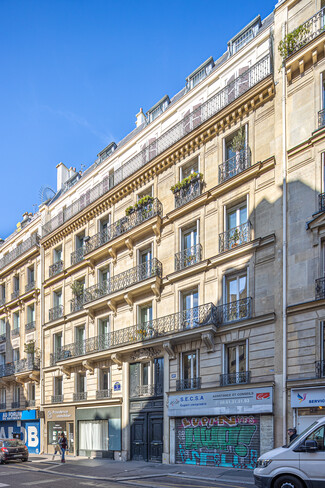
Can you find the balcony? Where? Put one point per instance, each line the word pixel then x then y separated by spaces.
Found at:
pixel 303 34
pixel 77 256
pixel 102 394
pixel 235 237
pixel 15 332
pixel 30 326
pixel 320 289
pixel 188 384
pixel 15 295
pixel 239 378
pixel 30 403
pixel 169 324
pixel 188 193
pixel 55 313
pixel 190 122
pixel 235 311
pixel 3 337
pixel 55 268
pixel 320 369
pixel 234 165
pixel 125 224
pixel 15 404
pixel 123 280
pixel 146 391
pixel 21 366
pixel 57 399
pixel 321 202
pixel 19 250
pixel 30 286
pixel 76 304
pixel 80 396
pixel 3 406
pixel 188 257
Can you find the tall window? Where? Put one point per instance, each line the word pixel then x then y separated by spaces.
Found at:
pixel 31 392
pixel 145 192
pixel 2 293
pixel 189 167
pixel 145 257
pixel 236 364
pixel 2 358
pixel 57 342
pixel 145 313
pixel 31 314
pixel 57 254
pixel 16 395
pixel 57 298
pixel 16 320
pixel 189 307
pixel 104 380
pixel 15 354
pixel 236 295
pixel 104 224
pixel 58 386
pixel 103 275
pixel 30 275
pixel 189 371
pixel 237 230
pixel 3 326
pixel 2 398
pixel 16 283
pixel 80 240
pixel 81 383
pixel 80 336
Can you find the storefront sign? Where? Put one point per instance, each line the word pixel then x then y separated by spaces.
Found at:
pixel 60 414
pixel 117 386
pixel 308 397
pixel 248 401
pixel 18 415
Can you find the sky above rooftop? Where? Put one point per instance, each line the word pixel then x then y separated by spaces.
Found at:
pixel 76 72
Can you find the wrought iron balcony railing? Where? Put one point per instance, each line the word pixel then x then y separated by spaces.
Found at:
pixel 321 202
pixel 188 193
pixel 101 394
pixel 146 391
pixel 235 237
pixel 56 313
pixel 320 369
pixel 188 384
pixel 15 404
pixel 243 83
pixel 77 256
pixel 30 403
pixel 235 165
pixel 21 366
pixel 320 288
pixel 188 319
pixel 30 286
pixel 235 378
pixel 3 337
pixel 146 212
pixel 76 304
pixel 80 396
pixel 57 399
pixel 305 33
pixel 321 118
pixel 188 257
pixel 55 268
pixel 30 325
pixel 235 311
pixel 123 280
pixel 3 406
pixel 19 250
pixel 15 332
pixel 15 295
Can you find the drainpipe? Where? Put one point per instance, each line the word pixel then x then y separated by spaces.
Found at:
pixel 284 248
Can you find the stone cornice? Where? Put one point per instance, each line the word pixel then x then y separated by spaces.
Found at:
pixel 230 115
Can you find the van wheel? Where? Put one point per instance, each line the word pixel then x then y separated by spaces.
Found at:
pixel 288 482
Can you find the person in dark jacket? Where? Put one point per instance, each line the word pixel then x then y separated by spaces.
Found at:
pixel 292 433
pixel 63 445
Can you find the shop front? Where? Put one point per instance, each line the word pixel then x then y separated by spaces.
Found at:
pixel 98 432
pixel 59 420
pixel 234 427
pixel 308 405
pixel 22 422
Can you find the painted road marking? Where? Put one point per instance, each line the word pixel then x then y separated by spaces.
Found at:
pixel 3 484
pixel 40 482
pixel 187 483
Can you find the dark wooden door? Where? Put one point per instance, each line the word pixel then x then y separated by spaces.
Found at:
pixel 155 438
pixel 139 445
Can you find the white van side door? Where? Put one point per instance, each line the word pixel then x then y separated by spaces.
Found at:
pixel 313 463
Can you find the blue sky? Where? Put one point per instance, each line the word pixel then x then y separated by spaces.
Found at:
pixel 74 73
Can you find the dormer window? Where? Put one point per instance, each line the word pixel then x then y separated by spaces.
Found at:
pixel 200 73
pixel 245 35
pixel 158 108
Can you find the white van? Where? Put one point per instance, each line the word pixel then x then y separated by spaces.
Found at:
pixel 300 464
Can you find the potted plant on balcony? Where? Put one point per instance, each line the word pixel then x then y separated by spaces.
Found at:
pixel 234 239
pixel 294 39
pixel 186 181
pixel 31 351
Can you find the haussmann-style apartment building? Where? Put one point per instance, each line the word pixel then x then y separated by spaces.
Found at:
pixel 176 287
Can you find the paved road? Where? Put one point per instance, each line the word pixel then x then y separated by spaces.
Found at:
pixel 16 475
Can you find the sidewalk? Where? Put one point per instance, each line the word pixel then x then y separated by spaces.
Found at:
pixel 109 470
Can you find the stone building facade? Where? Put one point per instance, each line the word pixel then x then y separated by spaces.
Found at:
pixel 179 321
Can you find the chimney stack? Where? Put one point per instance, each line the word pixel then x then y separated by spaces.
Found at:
pixel 62 175
pixel 141 118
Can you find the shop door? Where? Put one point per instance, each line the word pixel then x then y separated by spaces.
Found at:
pixel 155 434
pixel 139 445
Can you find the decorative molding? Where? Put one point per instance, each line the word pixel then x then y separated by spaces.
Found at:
pixel 143 353
pixel 128 299
pixel 88 366
pixel 207 339
pixel 66 370
pixel 129 244
pixel 169 349
pixel 112 253
pixel 116 358
pixel 155 288
pixel 112 305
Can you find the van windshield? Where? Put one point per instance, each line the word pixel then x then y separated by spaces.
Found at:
pixel 301 435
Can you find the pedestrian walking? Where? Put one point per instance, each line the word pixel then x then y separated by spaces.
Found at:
pixel 292 433
pixel 57 449
pixel 63 445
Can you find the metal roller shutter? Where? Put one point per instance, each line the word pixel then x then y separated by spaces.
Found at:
pixel 230 441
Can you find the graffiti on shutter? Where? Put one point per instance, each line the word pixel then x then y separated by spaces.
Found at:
pixel 227 441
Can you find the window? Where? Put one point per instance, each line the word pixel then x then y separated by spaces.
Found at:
pixel 321 372
pixel 16 395
pixel 57 298
pixel 80 336
pixel 2 358
pixel 147 192
pixel 158 108
pixel 3 326
pixel 57 255
pixel 190 251
pixel 2 398
pixel 145 314
pixel 31 314
pixel 236 297
pixel 15 354
pixel 104 224
pixel 80 240
pixel 16 320
pixel 58 386
pixel 30 275
pixel 189 371
pixel 16 283
pixel 243 40
pixel 189 307
pixel 2 293
pixel 188 168
pixel 147 378
pixel 237 227
pixel 103 274
pixel 104 380
pixel 236 364
pixel 234 144
pixel 81 383
pixel 200 73
pixel 318 436
pixel 31 392
pixel 145 262
pixel 57 342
